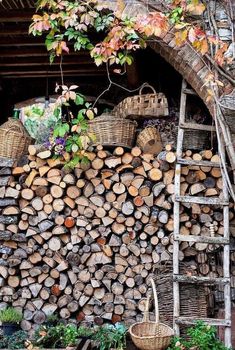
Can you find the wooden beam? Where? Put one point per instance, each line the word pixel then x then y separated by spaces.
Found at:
pixel 35 52
pixel 54 72
pixel 56 75
pixel 23 41
pixel 16 15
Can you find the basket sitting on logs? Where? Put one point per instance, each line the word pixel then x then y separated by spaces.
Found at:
pixel 149 140
pixel 143 105
pixel 197 140
pixel 14 139
pixel 112 131
pixel 148 335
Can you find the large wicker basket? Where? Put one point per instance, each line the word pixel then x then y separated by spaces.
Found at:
pixel 112 131
pixel 148 335
pixel 143 105
pixel 149 140
pixel 193 300
pixel 14 139
pixel 197 140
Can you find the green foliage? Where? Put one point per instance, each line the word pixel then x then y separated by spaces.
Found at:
pixel 85 332
pixel 61 336
pixel 10 315
pixel 17 341
pixel 52 320
pixel 202 337
pixel 58 336
pixel 70 137
pixel 110 336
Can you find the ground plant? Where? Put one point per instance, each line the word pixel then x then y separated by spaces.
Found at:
pixel 201 337
pixel 14 342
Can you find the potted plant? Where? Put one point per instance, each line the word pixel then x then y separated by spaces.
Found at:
pixel 10 319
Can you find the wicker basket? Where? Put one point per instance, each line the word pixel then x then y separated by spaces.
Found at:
pixel 14 139
pixel 228 105
pixel 148 335
pixel 193 300
pixel 149 140
pixel 197 140
pixel 112 131
pixel 143 105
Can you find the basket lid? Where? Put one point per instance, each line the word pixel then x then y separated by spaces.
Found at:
pixel 16 126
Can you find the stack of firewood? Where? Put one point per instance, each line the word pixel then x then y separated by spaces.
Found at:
pixel 85 243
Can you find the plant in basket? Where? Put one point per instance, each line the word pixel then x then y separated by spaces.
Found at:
pixel 70 137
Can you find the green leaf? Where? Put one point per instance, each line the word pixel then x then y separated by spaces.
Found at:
pixel 79 100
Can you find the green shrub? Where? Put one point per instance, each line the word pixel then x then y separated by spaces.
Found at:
pixel 17 341
pixel 10 315
pixel 59 336
pixel 202 337
pixel 111 336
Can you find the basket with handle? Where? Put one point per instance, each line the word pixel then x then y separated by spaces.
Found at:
pixel 147 335
pixel 149 140
pixel 143 105
pixel 14 139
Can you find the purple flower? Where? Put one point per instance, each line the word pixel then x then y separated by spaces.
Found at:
pixel 60 141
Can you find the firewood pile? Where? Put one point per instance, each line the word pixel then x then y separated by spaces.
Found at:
pixel 85 243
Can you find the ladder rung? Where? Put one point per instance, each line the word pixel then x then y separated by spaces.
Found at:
pixel 211 321
pixel 201 200
pixel 201 279
pixel 195 126
pixel 201 239
pixel 205 163
pixel 188 91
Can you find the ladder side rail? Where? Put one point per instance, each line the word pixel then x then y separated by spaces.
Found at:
pixel 180 139
pixel 226 259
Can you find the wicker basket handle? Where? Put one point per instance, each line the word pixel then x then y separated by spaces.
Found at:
pixel 155 301
pixel 148 86
pixel 146 312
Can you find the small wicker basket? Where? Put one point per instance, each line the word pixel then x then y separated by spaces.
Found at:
pixel 14 139
pixel 148 335
pixel 112 131
pixel 149 140
pixel 143 105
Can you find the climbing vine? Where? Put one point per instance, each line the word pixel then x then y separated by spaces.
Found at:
pixel 112 35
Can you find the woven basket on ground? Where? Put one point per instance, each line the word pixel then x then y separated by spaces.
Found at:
pixel 193 301
pixel 197 140
pixel 148 335
pixel 149 140
pixel 112 131
pixel 143 105
pixel 14 139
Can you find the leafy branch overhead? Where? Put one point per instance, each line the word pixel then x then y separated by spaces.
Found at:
pixel 75 22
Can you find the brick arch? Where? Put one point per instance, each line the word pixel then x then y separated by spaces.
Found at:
pixel 187 62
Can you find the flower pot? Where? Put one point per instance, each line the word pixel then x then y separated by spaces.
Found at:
pixel 10 328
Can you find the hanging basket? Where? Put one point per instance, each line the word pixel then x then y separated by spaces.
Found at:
pixel 112 131
pixel 143 105
pixel 149 140
pixel 14 139
pixel 148 335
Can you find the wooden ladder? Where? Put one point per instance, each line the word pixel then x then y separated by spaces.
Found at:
pixel 224 241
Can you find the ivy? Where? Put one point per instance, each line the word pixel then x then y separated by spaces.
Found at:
pixel 74 21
